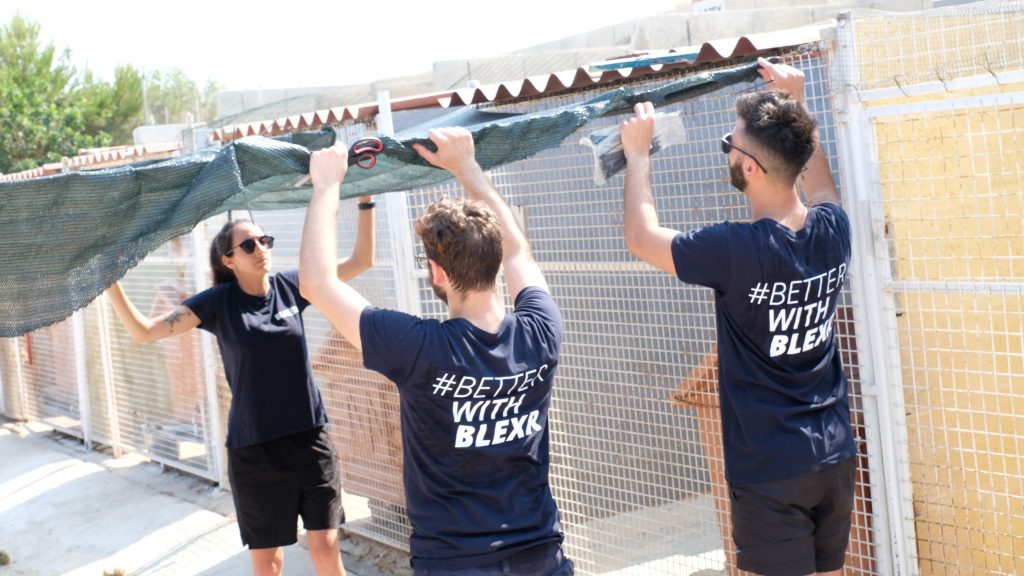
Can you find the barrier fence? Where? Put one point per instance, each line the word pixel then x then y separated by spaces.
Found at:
pixel 930 324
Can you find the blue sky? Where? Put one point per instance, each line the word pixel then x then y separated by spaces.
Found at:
pixel 305 42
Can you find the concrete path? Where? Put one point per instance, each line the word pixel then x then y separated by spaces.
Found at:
pixel 68 511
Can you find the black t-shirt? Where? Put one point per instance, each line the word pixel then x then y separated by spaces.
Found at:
pixel 474 409
pixel 784 403
pixel 263 345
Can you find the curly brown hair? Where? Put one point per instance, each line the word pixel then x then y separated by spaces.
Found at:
pixel 782 128
pixel 464 238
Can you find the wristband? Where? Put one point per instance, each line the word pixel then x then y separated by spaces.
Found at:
pixel 367 205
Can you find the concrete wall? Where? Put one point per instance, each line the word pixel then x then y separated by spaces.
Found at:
pixel 953 199
pixel 950 189
pixel 255 105
pixel 744 17
pixel 157 133
pixel 680 27
pixel 900 49
pixel 458 73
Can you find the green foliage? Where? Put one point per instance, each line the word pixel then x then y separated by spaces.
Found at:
pixel 113 109
pixel 49 110
pixel 4 558
pixel 39 121
pixel 171 97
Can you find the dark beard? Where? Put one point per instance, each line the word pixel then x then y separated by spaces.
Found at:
pixel 736 176
pixel 438 291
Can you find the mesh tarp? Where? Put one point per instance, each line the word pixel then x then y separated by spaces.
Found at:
pixel 69 237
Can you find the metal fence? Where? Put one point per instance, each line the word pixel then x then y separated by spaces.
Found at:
pixel 930 327
pixel 933 109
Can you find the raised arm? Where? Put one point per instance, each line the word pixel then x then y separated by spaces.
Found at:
pixel 318 257
pixel 362 253
pixel 816 181
pixel 143 329
pixel 456 154
pixel 645 238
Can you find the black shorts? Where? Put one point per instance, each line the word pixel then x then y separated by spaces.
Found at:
pixel 794 526
pixel 275 482
pixel 543 560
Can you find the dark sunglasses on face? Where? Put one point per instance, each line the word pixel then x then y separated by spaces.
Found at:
pixel 728 146
pixel 249 245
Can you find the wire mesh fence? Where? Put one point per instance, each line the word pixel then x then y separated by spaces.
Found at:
pixel 903 52
pixel 952 207
pixel 638 478
pixel 943 105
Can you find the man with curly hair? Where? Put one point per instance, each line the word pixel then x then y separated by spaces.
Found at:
pixel 789 449
pixel 475 389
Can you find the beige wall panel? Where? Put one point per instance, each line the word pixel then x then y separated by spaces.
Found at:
pixel 912 49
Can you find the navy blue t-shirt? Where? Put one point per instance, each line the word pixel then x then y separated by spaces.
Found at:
pixel 784 403
pixel 263 345
pixel 474 409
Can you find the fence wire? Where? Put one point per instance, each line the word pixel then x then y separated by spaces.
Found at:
pixel 636 456
pixel 953 210
pixel 974 39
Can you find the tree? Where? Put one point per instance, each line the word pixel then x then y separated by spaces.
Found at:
pixel 172 96
pixel 39 121
pixel 208 101
pixel 49 110
pixel 113 109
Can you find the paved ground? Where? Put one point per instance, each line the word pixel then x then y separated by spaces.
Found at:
pixel 68 511
pixel 71 512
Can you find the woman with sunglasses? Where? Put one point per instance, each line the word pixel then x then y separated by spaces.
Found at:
pixel 281 464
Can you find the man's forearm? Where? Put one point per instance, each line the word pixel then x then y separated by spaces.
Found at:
pixel 638 209
pixel 363 251
pixel 479 187
pixel 318 254
pixel 817 181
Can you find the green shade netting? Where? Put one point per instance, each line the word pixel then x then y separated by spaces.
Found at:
pixel 68 237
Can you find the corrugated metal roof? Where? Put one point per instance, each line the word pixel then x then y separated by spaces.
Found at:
pixel 549 84
pixel 95 158
pixel 637 65
pixel 38 172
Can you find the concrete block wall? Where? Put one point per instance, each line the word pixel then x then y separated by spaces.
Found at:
pixel 457 73
pixel 744 17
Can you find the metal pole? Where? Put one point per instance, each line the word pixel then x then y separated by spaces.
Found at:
pixel 82 374
pixel 212 426
pixel 877 339
pixel 3 383
pixel 108 376
pixel 22 386
pixel 397 211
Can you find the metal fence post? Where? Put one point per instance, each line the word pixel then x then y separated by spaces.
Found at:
pixel 3 383
pixel 22 386
pixel 82 376
pixel 874 315
pixel 10 379
pixel 211 428
pixel 108 376
pixel 397 207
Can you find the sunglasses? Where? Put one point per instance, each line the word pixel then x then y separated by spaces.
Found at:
pixel 249 245
pixel 421 260
pixel 728 146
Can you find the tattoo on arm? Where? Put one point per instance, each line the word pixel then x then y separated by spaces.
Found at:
pixel 174 317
